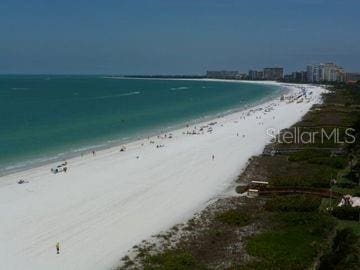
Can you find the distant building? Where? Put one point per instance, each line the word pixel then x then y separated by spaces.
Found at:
pixel 273 74
pixel 316 74
pixel 333 73
pixel 243 76
pixel 352 77
pixel 255 75
pixel 224 74
pixel 299 76
pixel 328 72
pixel 288 78
pixel 310 73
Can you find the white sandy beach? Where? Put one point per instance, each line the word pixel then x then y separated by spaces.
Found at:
pixel 105 204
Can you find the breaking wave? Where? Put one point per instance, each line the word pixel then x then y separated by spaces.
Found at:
pixel 179 88
pixel 116 96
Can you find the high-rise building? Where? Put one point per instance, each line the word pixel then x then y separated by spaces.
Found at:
pixel 288 78
pixel 333 73
pixel 275 73
pixel 310 73
pixel 317 73
pixel 328 72
pixel 299 76
pixel 256 75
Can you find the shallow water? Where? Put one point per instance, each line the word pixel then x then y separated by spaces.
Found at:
pixel 46 117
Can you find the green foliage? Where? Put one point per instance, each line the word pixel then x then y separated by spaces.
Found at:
pixel 233 218
pixel 241 189
pixel 216 233
pixel 353 176
pixel 284 249
pixel 320 157
pixel 351 224
pixel 344 183
pixel 334 162
pixel 296 182
pixel 346 212
pixel 308 154
pixel 314 223
pixel 172 260
pixel 293 245
pixel 345 252
pixel 297 203
pixel 355 191
pixel 285 173
pixel 127 263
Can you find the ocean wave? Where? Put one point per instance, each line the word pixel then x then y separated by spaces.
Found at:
pixel 19 88
pixel 179 88
pixel 118 95
pixel 48 159
pixel 114 96
pixel 26 164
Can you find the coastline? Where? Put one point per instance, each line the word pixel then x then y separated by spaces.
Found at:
pixel 164 170
pixel 105 145
pixel 295 221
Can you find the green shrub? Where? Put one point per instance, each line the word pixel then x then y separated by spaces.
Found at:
pixel 241 189
pixel 344 183
pixel 294 244
pixel 308 154
pixel 310 175
pixel 297 203
pixel 234 218
pixel 313 222
pixel 320 157
pixel 172 260
pixel 283 249
pixel 353 176
pixel 301 181
pixel 334 162
pixel 345 252
pixel 346 212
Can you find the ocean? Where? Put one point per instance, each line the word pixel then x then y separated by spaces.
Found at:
pixel 45 118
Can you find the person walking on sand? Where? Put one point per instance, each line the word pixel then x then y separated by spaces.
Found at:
pixel 57 248
pixel 213 157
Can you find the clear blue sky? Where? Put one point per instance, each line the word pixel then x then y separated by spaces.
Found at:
pixel 175 36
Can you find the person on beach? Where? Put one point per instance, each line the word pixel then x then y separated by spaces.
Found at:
pixel 213 157
pixel 57 248
pixel 93 152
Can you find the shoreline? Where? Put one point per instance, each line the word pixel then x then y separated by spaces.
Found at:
pixel 41 161
pixel 101 205
pixel 294 214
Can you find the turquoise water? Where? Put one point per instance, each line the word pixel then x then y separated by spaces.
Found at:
pixel 45 117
